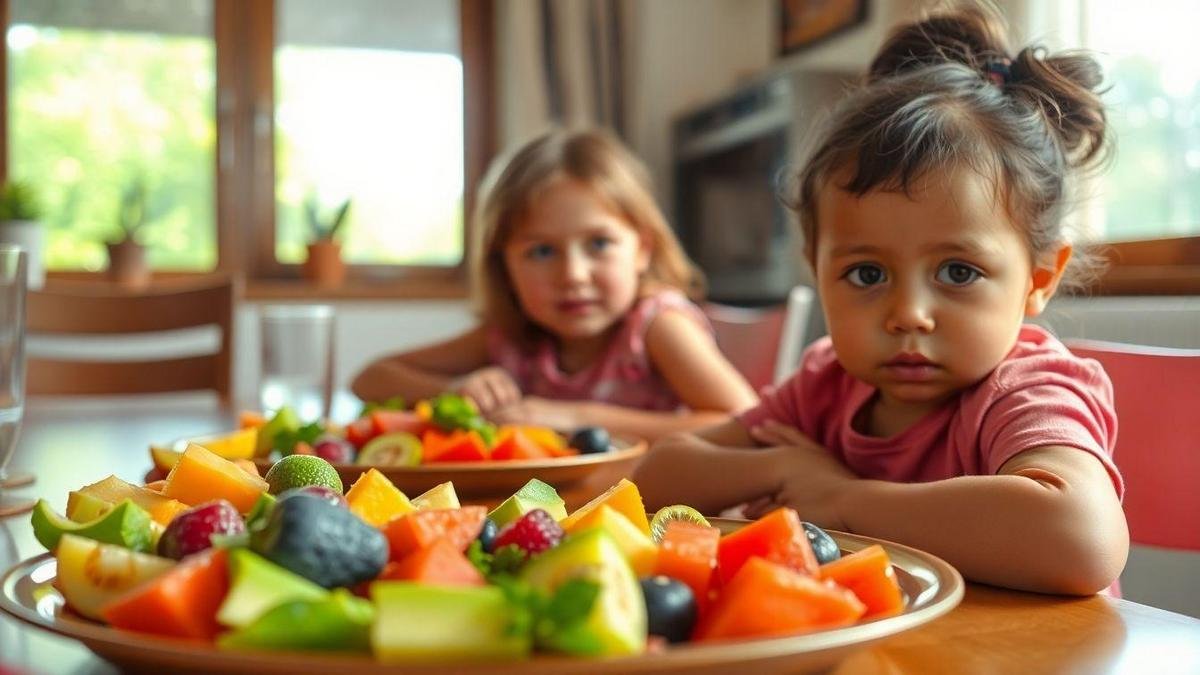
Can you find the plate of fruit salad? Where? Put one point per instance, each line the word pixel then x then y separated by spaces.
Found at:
pixel 216 569
pixel 436 441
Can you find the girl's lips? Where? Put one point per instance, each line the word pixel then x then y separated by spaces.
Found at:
pixel 911 372
pixel 576 306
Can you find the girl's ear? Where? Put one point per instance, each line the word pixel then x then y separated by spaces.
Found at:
pixel 1045 281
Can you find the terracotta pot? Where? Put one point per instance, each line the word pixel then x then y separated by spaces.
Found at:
pixel 324 265
pixel 127 264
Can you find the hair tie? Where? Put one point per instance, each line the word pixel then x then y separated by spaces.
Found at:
pixel 998 70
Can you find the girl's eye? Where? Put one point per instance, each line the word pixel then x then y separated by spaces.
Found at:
pixel 958 274
pixel 599 243
pixel 864 276
pixel 539 251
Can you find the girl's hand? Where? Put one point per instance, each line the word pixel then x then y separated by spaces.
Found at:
pixel 490 388
pixel 531 410
pixel 813 480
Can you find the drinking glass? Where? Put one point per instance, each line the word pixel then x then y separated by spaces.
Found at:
pixel 297 359
pixel 13 273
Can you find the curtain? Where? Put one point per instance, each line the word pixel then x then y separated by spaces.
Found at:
pixel 559 63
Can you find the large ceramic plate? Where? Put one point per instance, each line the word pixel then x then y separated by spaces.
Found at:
pixel 497 480
pixel 932 588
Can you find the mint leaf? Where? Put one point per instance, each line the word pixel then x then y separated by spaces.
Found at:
pixel 572 602
pixel 285 441
pixel 507 559
pixel 481 559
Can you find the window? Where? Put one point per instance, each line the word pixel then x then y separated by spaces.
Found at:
pixel 369 107
pixel 230 115
pixel 110 100
pixel 1147 50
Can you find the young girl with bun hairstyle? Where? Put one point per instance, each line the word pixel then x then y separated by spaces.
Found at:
pixel 584 299
pixel 932 415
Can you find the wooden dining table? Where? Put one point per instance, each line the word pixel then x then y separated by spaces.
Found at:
pixel 68 443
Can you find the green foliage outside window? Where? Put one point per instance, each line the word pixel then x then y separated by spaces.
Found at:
pixel 92 113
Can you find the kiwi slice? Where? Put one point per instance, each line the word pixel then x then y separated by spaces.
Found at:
pixel 398 448
pixel 664 516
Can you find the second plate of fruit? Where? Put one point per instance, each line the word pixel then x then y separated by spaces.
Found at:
pixel 436 441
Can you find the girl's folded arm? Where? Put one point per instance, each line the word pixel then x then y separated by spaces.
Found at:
pixel 1049 521
pixel 711 469
pixel 424 372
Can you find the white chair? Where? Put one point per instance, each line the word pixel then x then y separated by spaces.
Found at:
pixel 792 339
pixel 764 344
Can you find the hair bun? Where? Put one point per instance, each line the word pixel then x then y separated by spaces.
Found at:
pixel 972 36
pixel 1065 87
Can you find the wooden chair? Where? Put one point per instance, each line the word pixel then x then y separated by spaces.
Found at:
pixel 80 312
pixel 764 344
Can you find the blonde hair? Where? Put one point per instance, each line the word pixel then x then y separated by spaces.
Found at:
pixel 598 161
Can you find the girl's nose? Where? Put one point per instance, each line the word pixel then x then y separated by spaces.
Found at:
pixel 576 267
pixel 911 311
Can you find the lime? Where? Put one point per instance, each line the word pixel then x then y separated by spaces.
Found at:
pixel 398 448
pixel 296 471
pixel 658 524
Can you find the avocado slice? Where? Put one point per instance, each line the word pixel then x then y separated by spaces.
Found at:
pixel 533 495
pixel 616 625
pixel 127 525
pixel 443 623
pixel 256 585
pixel 337 622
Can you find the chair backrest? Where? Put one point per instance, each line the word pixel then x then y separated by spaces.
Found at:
pixel 1157 392
pixel 795 330
pixel 765 343
pixel 749 338
pixel 79 311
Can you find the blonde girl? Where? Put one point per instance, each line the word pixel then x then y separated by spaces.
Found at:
pixel 582 292
pixel 932 415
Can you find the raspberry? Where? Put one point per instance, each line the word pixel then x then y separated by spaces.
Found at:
pixel 192 530
pixel 533 532
pixel 334 450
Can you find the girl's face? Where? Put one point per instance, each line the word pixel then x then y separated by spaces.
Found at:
pixel 923 296
pixel 575 264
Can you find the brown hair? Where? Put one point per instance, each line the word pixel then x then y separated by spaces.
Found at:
pixel 943 93
pixel 595 159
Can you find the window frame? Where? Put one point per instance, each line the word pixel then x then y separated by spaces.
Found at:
pixel 244 157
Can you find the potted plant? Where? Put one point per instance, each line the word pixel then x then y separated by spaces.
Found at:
pixel 19 224
pixel 126 255
pixel 324 265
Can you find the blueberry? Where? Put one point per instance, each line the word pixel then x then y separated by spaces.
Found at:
pixel 670 608
pixel 591 440
pixel 487 534
pixel 823 545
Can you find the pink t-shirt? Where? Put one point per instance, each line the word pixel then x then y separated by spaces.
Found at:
pixel 622 376
pixel 1039 395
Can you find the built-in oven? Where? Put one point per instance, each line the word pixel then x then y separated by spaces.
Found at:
pixel 731 159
